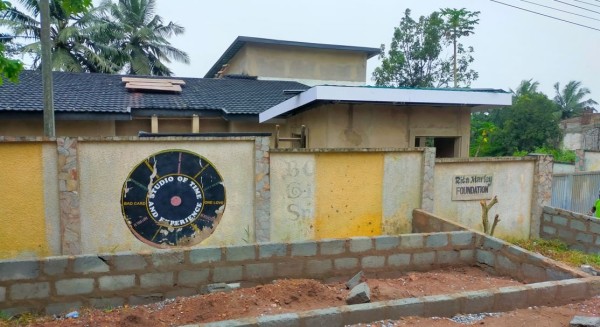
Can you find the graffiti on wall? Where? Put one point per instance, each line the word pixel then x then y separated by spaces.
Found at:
pixel 173 198
pixel 298 190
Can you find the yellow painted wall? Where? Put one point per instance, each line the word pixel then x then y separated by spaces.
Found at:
pixel 23 227
pixel 348 199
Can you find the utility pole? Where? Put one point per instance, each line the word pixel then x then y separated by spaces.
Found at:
pixel 49 129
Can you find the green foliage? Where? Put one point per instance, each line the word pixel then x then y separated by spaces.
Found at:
pixel 558 250
pixel 415 56
pixel 459 23
pixel 560 155
pixel 571 99
pixel 76 6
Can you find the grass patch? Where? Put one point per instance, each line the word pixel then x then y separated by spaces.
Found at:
pixel 559 251
pixel 22 319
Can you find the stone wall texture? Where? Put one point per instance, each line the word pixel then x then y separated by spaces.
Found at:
pixel 580 232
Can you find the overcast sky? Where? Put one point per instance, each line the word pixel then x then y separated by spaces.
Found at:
pixel 510 44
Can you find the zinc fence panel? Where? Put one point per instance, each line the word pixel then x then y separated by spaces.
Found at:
pixel 575 192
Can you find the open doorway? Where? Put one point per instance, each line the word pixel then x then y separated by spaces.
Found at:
pixel 445 147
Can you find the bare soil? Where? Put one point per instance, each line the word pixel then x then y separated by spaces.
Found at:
pixel 294 295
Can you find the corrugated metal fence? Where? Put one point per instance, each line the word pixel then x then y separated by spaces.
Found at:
pixel 575 192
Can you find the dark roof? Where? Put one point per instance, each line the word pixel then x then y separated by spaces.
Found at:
pixel 80 93
pixel 241 41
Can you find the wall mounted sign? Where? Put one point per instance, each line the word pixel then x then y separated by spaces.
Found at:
pixel 173 198
pixel 472 187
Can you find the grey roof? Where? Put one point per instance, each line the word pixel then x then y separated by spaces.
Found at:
pixel 80 93
pixel 241 41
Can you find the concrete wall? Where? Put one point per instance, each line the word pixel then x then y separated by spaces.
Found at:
pixel 580 232
pixel 563 168
pixel 592 161
pixel 375 126
pixel 513 184
pixel 35 127
pixel 319 194
pixel 311 66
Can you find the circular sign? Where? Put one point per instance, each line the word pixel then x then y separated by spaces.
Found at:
pixel 173 198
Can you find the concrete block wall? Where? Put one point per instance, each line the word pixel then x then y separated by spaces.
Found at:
pixel 58 284
pixel 580 232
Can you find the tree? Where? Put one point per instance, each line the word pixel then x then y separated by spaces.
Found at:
pixel 141 37
pixel 571 99
pixel 528 86
pixel 9 68
pixel 415 57
pixel 72 35
pixel 459 23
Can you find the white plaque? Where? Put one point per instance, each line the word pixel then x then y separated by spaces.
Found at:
pixel 472 187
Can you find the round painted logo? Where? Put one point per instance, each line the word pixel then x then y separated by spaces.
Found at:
pixel 173 198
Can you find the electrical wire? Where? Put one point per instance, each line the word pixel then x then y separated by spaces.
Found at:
pixel 537 13
pixel 588 3
pixel 568 12
pixel 572 5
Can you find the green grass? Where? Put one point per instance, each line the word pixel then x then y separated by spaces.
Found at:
pixel 559 251
pixel 22 319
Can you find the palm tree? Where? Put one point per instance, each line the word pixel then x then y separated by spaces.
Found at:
pixel 571 99
pixel 74 47
pixel 526 87
pixel 141 37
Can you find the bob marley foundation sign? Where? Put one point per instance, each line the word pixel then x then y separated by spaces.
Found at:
pixel 173 198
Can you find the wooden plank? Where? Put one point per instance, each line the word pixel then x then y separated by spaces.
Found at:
pixel 169 88
pixel 153 80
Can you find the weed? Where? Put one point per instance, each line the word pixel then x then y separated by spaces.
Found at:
pixel 558 250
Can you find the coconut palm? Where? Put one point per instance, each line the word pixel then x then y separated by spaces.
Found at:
pixel 141 37
pixel 571 99
pixel 527 86
pixel 74 47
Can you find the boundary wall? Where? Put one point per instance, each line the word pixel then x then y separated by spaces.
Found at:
pixel 580 232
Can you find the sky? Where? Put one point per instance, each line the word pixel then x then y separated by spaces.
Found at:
pixel 510 44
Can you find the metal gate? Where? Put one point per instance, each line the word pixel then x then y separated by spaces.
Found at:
pixel 575 192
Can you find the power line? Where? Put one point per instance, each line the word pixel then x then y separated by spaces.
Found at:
pixel 588 3
pixel 572 5
pixel 537 13
pixel 568 12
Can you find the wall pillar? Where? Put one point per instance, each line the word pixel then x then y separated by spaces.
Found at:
pixel 262 203
pixel 427 190
pixel 541 192
pixel 68 194
pixel 579 160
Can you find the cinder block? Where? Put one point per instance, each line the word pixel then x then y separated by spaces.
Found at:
pixel 331 247
pixel 192 277
pixel 448 257
pixel 558 220
pixel 533 273
pixel 549 230
pixel 467 256
pixel 423 259
pixel 571 289
pixel 581 321
pixel 281 320
pixel 595 226
pixel 19 269
pixel 363 313
pixel 461 238
pixel 477 301
pixel 437 240
pixel 405 307
pixel 584 237
pixel 440 306
pixel 272 250
pixel 399 260
pixel 2 294
pixel 54 266
pixel 62 308
pixel 205 255
pixel 509 298
pixel 304 249
pixel 322 317
pixel 373 262
pixel 492 243
pixel 411 241
pixel 289 269
pixel 240 253
pixel 106 303
pixel 386 242
pixel 129 261
pixel 156 279
pixel 541 293
pixel 578 225
pixel 89 264
pixel 145 299
pixel 360 293
pixel 259 271
pixel 245 322
pixel 557 274
pixel 345 263
pixel 506 265
pixel 27 291
pixel 167 258
pixel 547 217
pixel 485 257
pixel 116 283
pixel 566 234
pixel 318 267
pixel 74 286
pixel 361 244
pixel 227 274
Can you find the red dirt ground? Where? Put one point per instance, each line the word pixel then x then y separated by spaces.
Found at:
pixel 293 295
